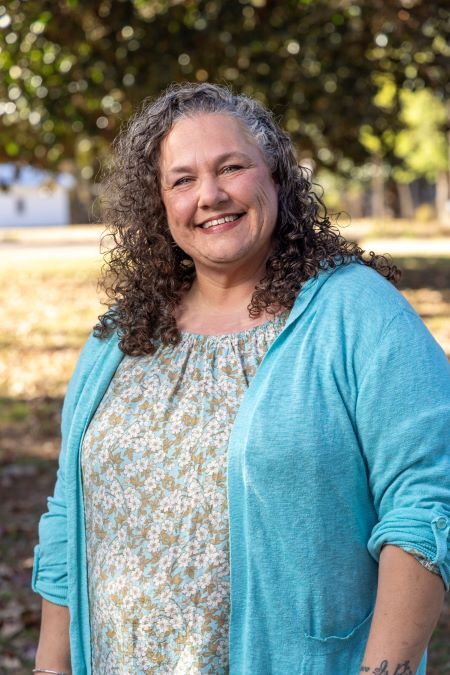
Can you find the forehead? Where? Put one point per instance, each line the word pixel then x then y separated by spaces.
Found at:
pixel 204 137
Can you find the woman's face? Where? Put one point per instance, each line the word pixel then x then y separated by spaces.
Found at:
pixel 220 198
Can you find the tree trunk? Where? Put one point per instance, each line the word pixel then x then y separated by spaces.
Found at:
pixel 442 198
pixel 377 189
pixel 405 200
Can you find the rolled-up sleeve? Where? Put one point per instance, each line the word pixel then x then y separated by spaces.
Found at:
pixel 403 423
pixel 50 555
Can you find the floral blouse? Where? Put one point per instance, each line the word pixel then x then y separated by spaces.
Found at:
pixel 154 481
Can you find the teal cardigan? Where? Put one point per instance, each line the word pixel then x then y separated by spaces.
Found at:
pixel 340 445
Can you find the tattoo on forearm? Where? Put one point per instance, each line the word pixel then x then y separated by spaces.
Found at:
pixel 383 669
pixel 403 669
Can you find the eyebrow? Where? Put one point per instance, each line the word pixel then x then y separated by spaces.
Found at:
pixel 221 158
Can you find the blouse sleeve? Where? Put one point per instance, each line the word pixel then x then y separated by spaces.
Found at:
pixel 403 422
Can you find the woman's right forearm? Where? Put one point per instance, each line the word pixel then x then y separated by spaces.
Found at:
pixel 53 652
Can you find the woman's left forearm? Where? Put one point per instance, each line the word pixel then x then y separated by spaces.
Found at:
pixel 408 604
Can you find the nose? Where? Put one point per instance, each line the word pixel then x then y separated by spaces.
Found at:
pixel 210 192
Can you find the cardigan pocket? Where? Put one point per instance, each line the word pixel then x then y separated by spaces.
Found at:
pixel 334 653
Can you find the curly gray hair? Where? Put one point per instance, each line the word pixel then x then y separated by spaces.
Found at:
pixel 147 273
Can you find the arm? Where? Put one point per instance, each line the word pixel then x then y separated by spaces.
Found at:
pixel 409 600
pixel 402 418
pixel 53 651
pixel 50 559
pixel 50 570
pixel 403 413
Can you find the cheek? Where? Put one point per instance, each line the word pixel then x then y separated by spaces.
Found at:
pixel 178 210
pixel 181 236
pixel 267 199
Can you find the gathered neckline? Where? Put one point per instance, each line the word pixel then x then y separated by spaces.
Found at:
pixel 245 332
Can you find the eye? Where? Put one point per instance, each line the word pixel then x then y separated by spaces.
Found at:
pixel 184 180
pixel 231 167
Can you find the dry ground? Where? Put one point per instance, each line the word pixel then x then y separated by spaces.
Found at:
pixel 48 307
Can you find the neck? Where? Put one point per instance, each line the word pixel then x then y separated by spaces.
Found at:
pixel 219 289
pixel 218 302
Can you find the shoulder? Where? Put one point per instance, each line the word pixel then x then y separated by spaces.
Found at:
pixel 96 353
pixel 94 349
pixel 352 307
pixel 356 295
pixel 361 287
pixel 367 311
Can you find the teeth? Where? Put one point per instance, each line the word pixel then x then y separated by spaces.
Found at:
pixel 219 221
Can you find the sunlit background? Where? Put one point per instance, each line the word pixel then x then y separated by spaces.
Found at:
pixel 361 86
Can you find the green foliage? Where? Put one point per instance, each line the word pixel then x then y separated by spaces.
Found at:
pixel 71 71
pixel 421 143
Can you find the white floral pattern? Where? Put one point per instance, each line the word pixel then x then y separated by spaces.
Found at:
pixel 154 482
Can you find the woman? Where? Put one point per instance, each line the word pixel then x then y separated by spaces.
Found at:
pixel 254 439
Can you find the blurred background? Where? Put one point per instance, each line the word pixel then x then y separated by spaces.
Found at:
pixel 362 87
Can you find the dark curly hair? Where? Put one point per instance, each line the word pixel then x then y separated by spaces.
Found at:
pixel 146 273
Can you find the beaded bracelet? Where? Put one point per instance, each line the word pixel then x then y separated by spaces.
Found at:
pixel 53 672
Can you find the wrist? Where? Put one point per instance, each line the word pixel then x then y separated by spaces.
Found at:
pixel 387 666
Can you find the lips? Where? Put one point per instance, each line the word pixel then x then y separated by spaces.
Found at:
pixel 221 220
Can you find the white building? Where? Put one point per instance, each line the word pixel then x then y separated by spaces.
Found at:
pixel 35 199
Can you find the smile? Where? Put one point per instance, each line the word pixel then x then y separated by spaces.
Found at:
pixel 220 221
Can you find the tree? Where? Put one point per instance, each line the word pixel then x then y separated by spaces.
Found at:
pixel 73 70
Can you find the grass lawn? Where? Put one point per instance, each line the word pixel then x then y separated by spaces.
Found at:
pixel 47 312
